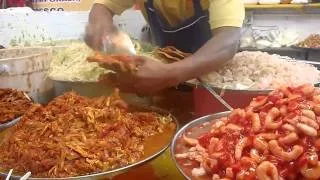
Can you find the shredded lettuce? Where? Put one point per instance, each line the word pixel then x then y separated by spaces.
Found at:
pixel 70 64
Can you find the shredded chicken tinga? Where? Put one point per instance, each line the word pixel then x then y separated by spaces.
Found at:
pixel 13 103
pixel 75 135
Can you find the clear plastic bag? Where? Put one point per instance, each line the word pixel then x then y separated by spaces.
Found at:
pixel 118 43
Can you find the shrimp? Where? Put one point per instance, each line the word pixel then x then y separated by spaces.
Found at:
pixel 311 173
pixel 307 130
pixel 310 122
pixel 260 144
pixel 286 156
pixel 267 171
pixel 316 109
pixel 198 172
pixel 254 154
pixel 309 113
pixel 239 147
pixel 289 139
pixel 268 136
pixel 271 116
pixel 289 127
pixel 190 141
pixel 258 101
pixel 255 119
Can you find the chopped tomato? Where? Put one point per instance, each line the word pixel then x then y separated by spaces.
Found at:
pixel 274 97
pixel 317 144
pixel 301 161
pixel 292 106
pixel 250 176
pixel 236 167
pixel 204 140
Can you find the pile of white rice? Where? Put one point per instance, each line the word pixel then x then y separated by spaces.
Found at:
pixel 259 70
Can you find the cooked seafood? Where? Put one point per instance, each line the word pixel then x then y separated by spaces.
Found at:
pixel 313 41
pixel 75 135
pixel 13 103
pixel 275 137
pixel 259 70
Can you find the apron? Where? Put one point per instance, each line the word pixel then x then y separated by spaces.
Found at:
pixel 188 36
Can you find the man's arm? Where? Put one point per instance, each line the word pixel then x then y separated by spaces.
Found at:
pixel 101 20
pixel 100 11
pixel 100 23
pixel 219 49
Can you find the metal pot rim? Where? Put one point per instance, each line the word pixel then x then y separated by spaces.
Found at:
pixel 196 122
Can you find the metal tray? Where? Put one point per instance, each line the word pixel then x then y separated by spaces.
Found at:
pixel 193 131
pixel 113 172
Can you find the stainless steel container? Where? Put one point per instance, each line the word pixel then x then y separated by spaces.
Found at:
pixel 178 145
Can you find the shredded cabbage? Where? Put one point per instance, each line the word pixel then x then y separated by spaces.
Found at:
pixel 70 64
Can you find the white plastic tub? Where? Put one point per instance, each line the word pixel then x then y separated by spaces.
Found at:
pixel 26 69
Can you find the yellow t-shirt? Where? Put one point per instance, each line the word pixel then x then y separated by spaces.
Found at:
pixel 222 12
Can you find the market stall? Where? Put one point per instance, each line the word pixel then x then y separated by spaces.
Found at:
pixel 62 116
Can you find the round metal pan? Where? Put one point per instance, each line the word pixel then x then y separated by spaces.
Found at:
pixel 193 129
pixel 111 173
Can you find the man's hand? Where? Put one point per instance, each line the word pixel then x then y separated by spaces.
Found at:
pixel 151 77
pixel 100 24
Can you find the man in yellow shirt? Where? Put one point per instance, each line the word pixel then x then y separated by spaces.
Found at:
pixel 210 29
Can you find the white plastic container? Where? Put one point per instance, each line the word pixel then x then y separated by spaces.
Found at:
pixel 26 69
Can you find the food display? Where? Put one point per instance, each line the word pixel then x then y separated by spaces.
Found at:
pixel 275 137
pixel 75 135
pixel 259 71
pixel 13 104
pixel 313 41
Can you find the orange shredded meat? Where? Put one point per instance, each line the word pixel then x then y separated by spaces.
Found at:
pixel 13 103
pixel 121 63
pixel 75 135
